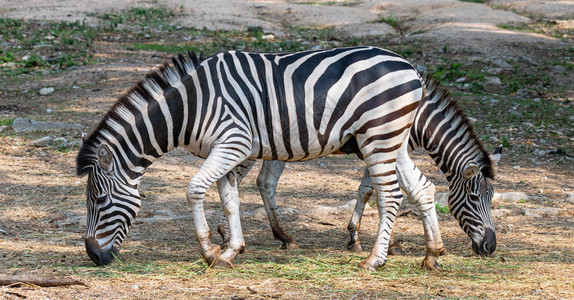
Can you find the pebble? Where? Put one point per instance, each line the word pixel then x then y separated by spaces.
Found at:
pixel 493 139
pixel 510 196
pixel 540 212
pixel 525 93
pixel 46 91
pixel 41 142
pixel 502 64
pixel 493 101
pixel 493 85
pixel 3 127
pixel 49 111
pixel 558 69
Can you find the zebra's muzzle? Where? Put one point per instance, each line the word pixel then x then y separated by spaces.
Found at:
pixel 488 244
pixel 99 257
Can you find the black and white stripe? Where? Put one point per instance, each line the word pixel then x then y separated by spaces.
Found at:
pixel 443 130
pixel 237 106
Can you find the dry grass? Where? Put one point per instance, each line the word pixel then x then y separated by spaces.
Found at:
pixel 38 192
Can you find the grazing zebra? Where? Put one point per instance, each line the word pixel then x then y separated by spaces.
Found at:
pixel 444 131
pixel 235 107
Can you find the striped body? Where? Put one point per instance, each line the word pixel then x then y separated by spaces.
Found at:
pixel 443 130
pixel 236 106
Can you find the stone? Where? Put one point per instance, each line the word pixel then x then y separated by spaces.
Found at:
pixel 493 139
pixel 510 196
pixel 541 212
pixel 495 71
pixel 441 198
pixel 41 142
pixel 569 197
pixel 493 85
pixel 526 93
pixel 2 128
pixel 25 125
pixel 558 69
pixel 502 64
pixel 501 212
pixel 46 91
pixel 493 101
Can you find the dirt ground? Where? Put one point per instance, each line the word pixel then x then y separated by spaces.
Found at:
pixel 42 204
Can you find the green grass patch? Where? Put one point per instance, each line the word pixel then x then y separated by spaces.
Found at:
pixel 6 121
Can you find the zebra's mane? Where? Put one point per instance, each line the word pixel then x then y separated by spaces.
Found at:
pixel 154 83
pixel 452 111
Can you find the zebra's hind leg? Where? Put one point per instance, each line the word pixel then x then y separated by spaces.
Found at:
pixel 381 162
pixel 228 191
pixel 217 164
pixel 421 192
pixel 223 228
pixel 267 185
pixel 364 194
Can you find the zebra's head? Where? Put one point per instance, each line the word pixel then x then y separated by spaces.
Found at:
pixel 470 199
pixel 112 203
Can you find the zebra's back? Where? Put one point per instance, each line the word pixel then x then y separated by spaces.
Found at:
pixel 307 104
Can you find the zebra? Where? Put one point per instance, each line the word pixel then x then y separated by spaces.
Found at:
pixel 235 107
pixel 420 190
pixel 417 187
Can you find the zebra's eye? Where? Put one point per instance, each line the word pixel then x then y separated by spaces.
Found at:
pixel 101 199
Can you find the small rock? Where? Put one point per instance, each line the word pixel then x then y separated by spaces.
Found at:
pixel 540 212
pixel 73 144
pixel 493 85
pixel 569 197
pixel 2 231
pixel 441 198
pixel 558 69
pixel 268 37
pixel 75 87
pixel 495 71
pixel 2 128
pixel 502 64
pixel 526 94
pixel 510 196
pixel 501 212
pixel 49 111
pixel 46 91
pixel 24 125
pixel 461 80
pixel 41 142
pixel 60 140
pixel 493 139
pixel 493 101
pixel 317 47
pixel 421 68
pixel 529 60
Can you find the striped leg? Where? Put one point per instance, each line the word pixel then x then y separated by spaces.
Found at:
pixel 421 192
pixel 223 228
pixel 267 185
pixel 381 164
pixel 229 194
pixel 364 194
pixel 217 164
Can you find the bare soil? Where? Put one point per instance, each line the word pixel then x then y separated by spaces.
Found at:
pixel 42 202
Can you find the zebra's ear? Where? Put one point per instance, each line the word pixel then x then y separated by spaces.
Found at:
pixel 470 171
pixel 496 155
pixel 104 157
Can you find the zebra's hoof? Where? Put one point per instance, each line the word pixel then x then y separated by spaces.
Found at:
pixel 356 247
pixel 430 263
pixel 223 263
pixel 289 246
pixel 442 251
pixel 368 265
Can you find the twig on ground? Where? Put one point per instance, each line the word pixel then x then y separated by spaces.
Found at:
pixel 18 280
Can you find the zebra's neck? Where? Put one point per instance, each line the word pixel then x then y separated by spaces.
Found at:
pixel 442 128
pixel 154 117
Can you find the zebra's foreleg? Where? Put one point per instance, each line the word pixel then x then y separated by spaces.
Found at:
pixel 421 192
pixel 381 165
pixel 267 185
pixel 223 228
pixel 217 164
